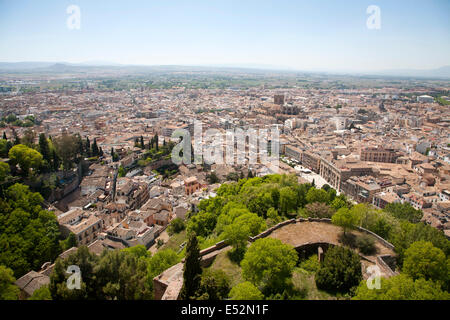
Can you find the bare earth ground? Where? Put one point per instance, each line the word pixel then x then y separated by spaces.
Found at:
pixel 301 233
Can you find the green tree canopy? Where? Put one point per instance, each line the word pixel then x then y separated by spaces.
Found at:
pixel 317 195
pixel 28 234
pixel 288 200
pixel 8 290
pixel 214 285
pixel 340 270
pixel 404 211
pixel 345 218
pixel 4 171
pixel 402 287
pixel 269 263
pixel 423 260
pixel 122 275
pixel 245 291
pixel 27 158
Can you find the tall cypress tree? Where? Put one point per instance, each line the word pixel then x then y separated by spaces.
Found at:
pixel 192 270
pixel 88 147
pixel 142 142
pixel 44 147
pixel 55 160
pixel 4 135
pixel 16 138
pixel 94 148
pixel 156 142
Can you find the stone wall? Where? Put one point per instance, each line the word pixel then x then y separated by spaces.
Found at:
pixel 208 255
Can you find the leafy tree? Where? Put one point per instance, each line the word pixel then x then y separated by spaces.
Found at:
pixel 339 202
pixel 70 242
pixel 273 217
pixel 228 214
pixel 28 138
pixel 402 287
pixel 122 275
pixel 67 149
pixel 423 260
pixel 4 171
pixel 214 285
pixel 245 291
pixel 139 251
pixel 317 195
pixel 89 288
pixel 318 210
pixel 176 226
pixel 202 223
pixel 311 264
pixel 28 234
pixel 406 233
pixel 25 157
pixel 192 270
pixel 162 260
pixel 404 211
pixel 8 290
pixel 5 146
pixel 288 200
pixel 269 263
pixel 238 232
pixel 43 293
pixel 345 218
pixel 340 270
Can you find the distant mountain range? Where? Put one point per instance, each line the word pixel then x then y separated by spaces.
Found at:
pixel 439 73
pixel 442 72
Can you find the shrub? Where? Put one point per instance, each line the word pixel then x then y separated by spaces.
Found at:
pixel 340 271
pixel 246 291
pixel 176 226
pixel 311 264
pixel 366 245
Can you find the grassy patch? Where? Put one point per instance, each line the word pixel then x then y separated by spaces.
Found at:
pixel 175 241
pixel 233 270
pixel 303 281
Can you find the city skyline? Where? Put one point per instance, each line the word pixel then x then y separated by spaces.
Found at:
pixel 331 37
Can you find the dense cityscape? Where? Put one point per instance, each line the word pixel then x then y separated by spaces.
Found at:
pixel 212 181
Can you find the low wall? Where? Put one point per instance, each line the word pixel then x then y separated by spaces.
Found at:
pixel 208 255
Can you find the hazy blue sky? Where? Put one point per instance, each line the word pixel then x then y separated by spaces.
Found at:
pixel 308 35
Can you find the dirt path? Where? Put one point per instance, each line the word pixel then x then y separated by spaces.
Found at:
pixel 164 236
